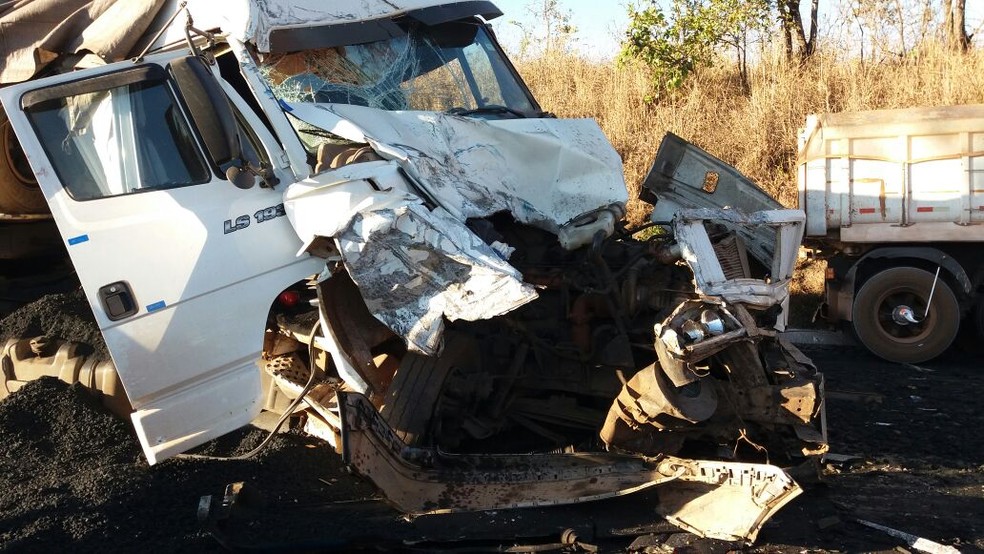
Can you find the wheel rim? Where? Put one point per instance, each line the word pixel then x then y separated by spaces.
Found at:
pixel 899 316
pixel 14 156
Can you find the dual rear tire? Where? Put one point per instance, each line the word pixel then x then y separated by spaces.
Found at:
pixel 891 320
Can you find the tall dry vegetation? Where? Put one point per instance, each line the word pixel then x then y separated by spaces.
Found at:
pixel 757 131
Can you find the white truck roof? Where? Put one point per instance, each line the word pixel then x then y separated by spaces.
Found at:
pixel 260 22
pixel 38 31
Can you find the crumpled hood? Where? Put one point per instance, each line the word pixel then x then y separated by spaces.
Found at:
pixel 545 172
pixel 405 242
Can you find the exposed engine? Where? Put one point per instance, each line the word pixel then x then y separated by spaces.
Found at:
pixel 618 351
pixel 487 344
pixel 543 376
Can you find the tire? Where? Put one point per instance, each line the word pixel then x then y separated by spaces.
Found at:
pixel 876 321
pixel 413 395
pixel 19 191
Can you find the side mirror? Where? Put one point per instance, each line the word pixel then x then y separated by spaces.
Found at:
pixel 243 178
pixel 213 116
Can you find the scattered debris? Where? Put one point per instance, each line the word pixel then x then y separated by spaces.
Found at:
pixel 842 458
pixel 55 497
pixel 919 543
pixel 841 462
pixel 855 396
pixel 919 368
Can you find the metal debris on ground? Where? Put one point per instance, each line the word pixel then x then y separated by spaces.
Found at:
pixel 919 543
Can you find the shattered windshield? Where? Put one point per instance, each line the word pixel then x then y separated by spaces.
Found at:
pixel 449 67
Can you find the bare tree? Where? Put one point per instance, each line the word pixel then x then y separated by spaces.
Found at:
pixel 955 25
pixel 794 29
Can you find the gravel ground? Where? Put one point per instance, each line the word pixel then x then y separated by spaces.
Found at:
pixel 62 315
pixel 915 434
pixel 73 477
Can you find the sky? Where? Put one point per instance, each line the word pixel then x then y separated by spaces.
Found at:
pixel 600 24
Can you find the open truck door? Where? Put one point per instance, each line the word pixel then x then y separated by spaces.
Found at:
pixel 179 266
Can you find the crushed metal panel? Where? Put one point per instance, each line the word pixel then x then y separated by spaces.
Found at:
pixel 722 500
pixel 324 205
pixel 781 229
pixel 726 500
pixel 545 172
pixel 413 266
pixel 419 480
pixel 689 177
pixel 684 176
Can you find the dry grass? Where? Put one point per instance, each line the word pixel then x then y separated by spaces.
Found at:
pixel 806 291
pixel 756 131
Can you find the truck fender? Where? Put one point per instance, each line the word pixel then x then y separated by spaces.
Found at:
pixel 840 299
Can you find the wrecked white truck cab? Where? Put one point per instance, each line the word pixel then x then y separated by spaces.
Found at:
pixel 431 270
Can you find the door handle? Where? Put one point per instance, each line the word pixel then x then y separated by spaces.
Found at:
pixel 117 300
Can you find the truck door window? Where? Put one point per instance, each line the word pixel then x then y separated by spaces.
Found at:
pixel 118 140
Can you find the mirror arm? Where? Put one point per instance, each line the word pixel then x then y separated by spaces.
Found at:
pixel 189 29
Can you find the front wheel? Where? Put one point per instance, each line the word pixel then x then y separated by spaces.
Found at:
pixel 19 191
pixel 890 315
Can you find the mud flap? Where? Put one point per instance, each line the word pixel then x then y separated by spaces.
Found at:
pixel 720 500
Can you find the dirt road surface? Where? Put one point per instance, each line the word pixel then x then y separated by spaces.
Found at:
pixel 909 442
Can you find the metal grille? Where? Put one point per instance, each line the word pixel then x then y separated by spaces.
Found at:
pixel 733 258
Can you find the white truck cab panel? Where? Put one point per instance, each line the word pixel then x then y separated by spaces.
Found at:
pixel 179 266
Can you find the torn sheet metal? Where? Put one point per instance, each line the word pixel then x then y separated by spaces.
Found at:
pixel 413 266
pixel 545 172
pixel 721 500
pixel 773 236
pixel 686 176
pixel 725 500
pixel 325 204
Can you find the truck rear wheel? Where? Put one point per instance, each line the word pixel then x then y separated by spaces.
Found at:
pixel 19 191
pixel 889 315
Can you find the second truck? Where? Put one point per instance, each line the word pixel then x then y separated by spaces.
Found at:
pixel 894 199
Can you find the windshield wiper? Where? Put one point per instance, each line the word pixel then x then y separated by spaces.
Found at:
pixel 488 109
